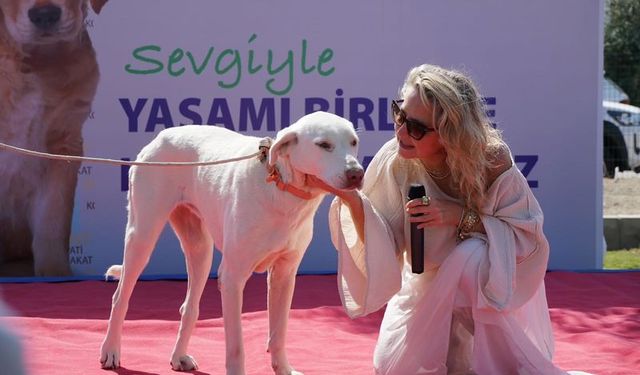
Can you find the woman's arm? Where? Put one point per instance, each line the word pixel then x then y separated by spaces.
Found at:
pixel 442 212
pixel 353 200
pixel 350 197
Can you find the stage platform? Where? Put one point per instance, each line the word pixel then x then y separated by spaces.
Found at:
pixel 596 320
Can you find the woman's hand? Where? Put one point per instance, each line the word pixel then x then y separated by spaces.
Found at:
pixel 350 197
pixel 439 212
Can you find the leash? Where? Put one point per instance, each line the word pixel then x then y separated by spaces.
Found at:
pixel 263 149
pixel 261 154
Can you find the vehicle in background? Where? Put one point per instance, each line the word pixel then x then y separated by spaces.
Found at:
pixel 611 92
pixel 621 131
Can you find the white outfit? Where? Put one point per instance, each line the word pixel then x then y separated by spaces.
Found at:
pixel 484 296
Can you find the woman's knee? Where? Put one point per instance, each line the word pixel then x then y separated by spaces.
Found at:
pixel 470 272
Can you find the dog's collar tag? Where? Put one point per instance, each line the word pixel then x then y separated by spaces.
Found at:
pixel 263 147
pixel 274 176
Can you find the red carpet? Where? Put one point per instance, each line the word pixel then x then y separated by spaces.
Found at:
pixel 596 318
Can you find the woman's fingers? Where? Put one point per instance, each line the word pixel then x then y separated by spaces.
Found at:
pixel 419 202
pixel 437 212
pixel 418 206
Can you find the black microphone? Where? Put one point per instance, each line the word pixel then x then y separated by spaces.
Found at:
pixel 417 235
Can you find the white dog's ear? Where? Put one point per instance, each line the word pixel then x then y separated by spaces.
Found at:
pixel 97 5
pixel 285 139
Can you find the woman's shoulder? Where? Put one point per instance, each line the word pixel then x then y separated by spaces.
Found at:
pixel 387 166
pixel 386 155
pixel 389 148
pixel 500 161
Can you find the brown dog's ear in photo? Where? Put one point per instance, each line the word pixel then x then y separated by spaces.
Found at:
pixel 97 5
pixel 277 148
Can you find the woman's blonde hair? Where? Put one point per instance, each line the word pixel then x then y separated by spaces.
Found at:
pixel 470 140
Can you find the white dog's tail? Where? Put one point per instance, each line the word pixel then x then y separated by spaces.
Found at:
pixel 114 272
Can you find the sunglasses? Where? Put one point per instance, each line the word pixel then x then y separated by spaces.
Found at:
pixel 416 129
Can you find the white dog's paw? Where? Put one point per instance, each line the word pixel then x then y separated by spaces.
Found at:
pixel 184 363
pixel 110 359
pixel 110 353
pixel 286 370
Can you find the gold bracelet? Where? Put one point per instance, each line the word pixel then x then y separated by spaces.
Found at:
pixel 468 221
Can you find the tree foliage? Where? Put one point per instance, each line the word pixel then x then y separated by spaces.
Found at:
pixel 622 46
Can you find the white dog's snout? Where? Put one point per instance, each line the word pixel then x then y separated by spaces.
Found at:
pixel 354 176
pixel 354 173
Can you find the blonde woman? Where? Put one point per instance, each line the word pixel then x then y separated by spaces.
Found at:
pixel 479 306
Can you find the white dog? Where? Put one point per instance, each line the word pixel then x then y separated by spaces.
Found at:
pixel 258 226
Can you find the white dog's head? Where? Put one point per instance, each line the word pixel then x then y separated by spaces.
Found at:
pixel 31 22
pixel 323 145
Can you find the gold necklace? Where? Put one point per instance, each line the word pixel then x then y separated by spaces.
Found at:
pixel 440 176
pixel 437 175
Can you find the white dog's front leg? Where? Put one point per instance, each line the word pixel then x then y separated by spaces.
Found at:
pixel 281 283
pixel 231 284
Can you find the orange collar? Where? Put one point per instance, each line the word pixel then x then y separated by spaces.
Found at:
pixel 274 176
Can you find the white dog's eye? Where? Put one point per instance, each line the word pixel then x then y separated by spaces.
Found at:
pixel 354 143
pixel 325 145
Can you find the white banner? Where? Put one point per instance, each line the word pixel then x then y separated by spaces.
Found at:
pixel 256 66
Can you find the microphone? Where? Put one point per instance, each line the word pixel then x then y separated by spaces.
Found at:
pixel 417 235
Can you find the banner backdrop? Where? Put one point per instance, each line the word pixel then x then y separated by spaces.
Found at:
pixel 256 66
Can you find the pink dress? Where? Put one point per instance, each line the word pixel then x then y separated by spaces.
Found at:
pixel 479 307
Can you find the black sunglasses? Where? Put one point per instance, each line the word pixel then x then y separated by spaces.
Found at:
pixel 416 129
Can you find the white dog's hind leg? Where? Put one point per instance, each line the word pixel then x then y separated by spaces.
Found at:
pixel 281 283
pixel 147 217
pixel 137 252
pixel 197 246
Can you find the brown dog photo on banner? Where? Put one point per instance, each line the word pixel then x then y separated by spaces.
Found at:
pixel 48 79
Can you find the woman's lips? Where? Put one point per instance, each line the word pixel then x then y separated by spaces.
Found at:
pixel 404 145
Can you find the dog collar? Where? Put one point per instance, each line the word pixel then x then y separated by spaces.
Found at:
pixel 274 176
pixel 274 173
